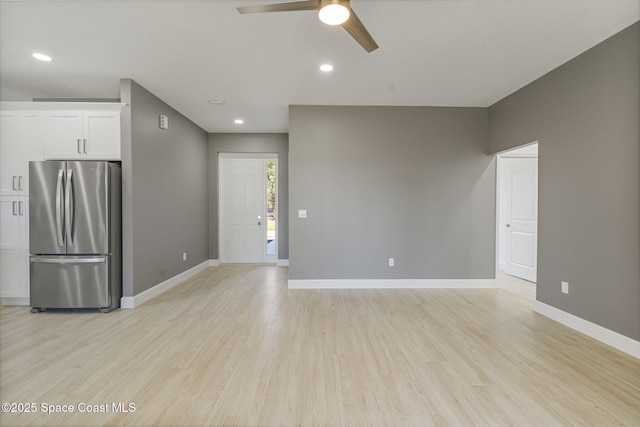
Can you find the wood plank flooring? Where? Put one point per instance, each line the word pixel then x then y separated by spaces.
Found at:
pixel 233 346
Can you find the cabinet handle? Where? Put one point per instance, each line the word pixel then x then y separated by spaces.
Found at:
pixel 20 209
pixel 14 183
pixel 84 146
pixel 79 150
pixel 20 179
pixel 15 208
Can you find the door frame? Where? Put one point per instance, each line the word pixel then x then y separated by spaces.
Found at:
pixel 522 151
pixel 266 258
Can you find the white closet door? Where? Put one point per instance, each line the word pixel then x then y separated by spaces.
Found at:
pixel 522 216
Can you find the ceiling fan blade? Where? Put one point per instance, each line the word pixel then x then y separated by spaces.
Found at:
pixel 356 28
pixel 280 7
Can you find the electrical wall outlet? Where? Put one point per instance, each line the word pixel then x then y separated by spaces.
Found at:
pixel 565 287
pixel 184 256
pixel 392 262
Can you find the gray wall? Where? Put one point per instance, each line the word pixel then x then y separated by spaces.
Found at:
pixel 250 143
pixel 585 116
pixel 412 183
pixel 165 191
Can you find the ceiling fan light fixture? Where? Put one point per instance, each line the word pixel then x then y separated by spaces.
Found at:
pixel 334 12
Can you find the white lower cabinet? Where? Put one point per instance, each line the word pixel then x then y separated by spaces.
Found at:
pixel 14 250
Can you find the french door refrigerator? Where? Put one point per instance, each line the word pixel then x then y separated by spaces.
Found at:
pixel 75 235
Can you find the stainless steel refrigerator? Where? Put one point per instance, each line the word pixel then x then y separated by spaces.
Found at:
pixel 75 235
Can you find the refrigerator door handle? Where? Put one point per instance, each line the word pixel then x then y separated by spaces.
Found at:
pixel 68 206
pixel 50 260
pixel 59 208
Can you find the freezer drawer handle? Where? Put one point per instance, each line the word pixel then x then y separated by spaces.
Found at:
pixel 59 208
pixel 49 260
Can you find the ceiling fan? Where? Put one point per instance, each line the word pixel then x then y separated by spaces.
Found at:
pixel 332 12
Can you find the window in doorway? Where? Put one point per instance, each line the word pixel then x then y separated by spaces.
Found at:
pixel 271 207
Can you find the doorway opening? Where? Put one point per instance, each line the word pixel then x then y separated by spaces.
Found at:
pixel 248 214
pixel 517 212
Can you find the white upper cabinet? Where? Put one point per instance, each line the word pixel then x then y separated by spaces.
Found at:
pixel 9 153
pixel 21 140
pixel 91 135
pixel 102 129
pixel 32 131
pixel 64 135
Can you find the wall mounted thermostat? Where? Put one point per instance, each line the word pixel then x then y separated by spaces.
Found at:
pixel 164 122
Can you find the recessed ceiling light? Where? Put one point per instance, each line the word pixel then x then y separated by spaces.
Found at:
pixel 42 57
pixel 326 67
pixel 216 102
pixel 238 121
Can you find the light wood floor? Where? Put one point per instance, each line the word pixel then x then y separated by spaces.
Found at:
pixel 233 346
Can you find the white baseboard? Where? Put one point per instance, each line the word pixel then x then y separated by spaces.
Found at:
pixel 393 284
pixel 142 297
pixel 14 301
pixel 597 332
pixel 214 263
pixel 283 263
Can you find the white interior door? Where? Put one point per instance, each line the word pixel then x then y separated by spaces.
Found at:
pixel 243 209
pixel 520 216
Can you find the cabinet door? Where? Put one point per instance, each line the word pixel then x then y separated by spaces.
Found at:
pixel 9 153
pixel 31 144
pixel 64 135
pixel 13 252
pixel 102 135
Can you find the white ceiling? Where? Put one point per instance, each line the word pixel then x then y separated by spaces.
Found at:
pixel 432 52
